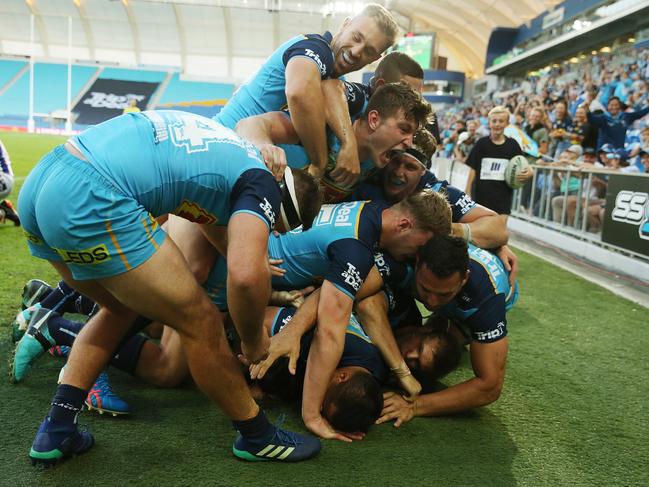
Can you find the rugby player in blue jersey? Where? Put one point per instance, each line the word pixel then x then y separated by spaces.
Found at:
pixel 102 237
pixel 472 291
pixel 391 117
pixel 291 77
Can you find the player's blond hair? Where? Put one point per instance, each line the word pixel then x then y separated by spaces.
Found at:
pixel 384 20
pixel 429 209
pixel 498 109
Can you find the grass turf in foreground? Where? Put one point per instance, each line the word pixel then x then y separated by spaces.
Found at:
pixel 573 411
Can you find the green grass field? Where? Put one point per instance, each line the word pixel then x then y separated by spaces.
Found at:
pixel 573 412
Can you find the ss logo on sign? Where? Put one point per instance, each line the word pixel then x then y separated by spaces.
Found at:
pixel 629 207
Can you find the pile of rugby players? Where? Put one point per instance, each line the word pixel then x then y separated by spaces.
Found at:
pixel 286 247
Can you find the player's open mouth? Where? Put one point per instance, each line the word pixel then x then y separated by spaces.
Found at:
pixel 347 59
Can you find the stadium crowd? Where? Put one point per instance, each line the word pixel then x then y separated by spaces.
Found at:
pixel 590 114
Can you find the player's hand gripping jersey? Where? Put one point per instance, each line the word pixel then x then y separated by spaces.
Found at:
pixel 265 91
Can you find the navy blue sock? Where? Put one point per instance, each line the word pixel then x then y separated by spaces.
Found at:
pixel 255 428
pixel 128 354
pixel 84 305
pixel 64 331
pixel 66 404
pixel 61 299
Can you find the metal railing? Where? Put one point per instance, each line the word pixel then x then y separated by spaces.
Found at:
pixel 565 207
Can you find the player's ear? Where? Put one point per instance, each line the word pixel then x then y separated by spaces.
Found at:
pixel 373 119
pixel 340 376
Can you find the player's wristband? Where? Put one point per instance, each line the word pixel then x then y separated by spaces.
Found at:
pixel 401 371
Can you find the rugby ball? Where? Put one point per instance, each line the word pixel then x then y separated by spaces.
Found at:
pixel 515 166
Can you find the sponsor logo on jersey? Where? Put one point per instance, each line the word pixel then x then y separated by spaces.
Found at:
pixel 381 264
pixel 313 55
pixel 267 208
pixel 352 277
pixel 491 334
pixel 195 213
pixel 99 99
pixel 633 208
pixel 465 203
pixel 93 255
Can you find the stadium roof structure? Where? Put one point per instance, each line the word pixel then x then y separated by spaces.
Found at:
pixel 227 39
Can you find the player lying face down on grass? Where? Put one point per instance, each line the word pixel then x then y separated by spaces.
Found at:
pixel 346 236
pixel 470 293
pixel 102 238
pixel 353 395
pixel 291 77
pixel 391 117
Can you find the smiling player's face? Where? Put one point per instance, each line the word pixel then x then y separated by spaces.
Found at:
pixel 401 176
pixel 359 43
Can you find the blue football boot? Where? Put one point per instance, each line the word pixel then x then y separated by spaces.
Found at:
pixel 34 343
pixel 21 322
pixel 102 398
pixel 280 445
pixel 56 442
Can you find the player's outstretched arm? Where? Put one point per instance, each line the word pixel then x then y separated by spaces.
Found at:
pixel 488 361
pixel 334 310
pixel 265 131
pixel 306 104
pixel 488 230
pixel 287 342
pixel 348 166
pixel 373 314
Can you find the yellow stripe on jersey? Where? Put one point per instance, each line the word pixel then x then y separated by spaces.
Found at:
pixel 358 218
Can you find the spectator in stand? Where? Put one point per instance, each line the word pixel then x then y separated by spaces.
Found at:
pixel 465 141
pixel 644 160
pixel 613 124
pixel 488 161
pixel 583 133
pixel 561 129
pixel 451 137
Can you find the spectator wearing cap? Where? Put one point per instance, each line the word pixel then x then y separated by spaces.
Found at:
pixel 612 125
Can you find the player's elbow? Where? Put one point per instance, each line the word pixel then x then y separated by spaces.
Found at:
pixel 490 390
pixel 246 278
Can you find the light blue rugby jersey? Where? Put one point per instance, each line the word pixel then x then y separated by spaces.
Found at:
pixel 171 162
pixel 339 247
pixel 265 91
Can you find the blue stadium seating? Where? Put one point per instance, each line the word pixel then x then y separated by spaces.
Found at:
pixel 192 91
